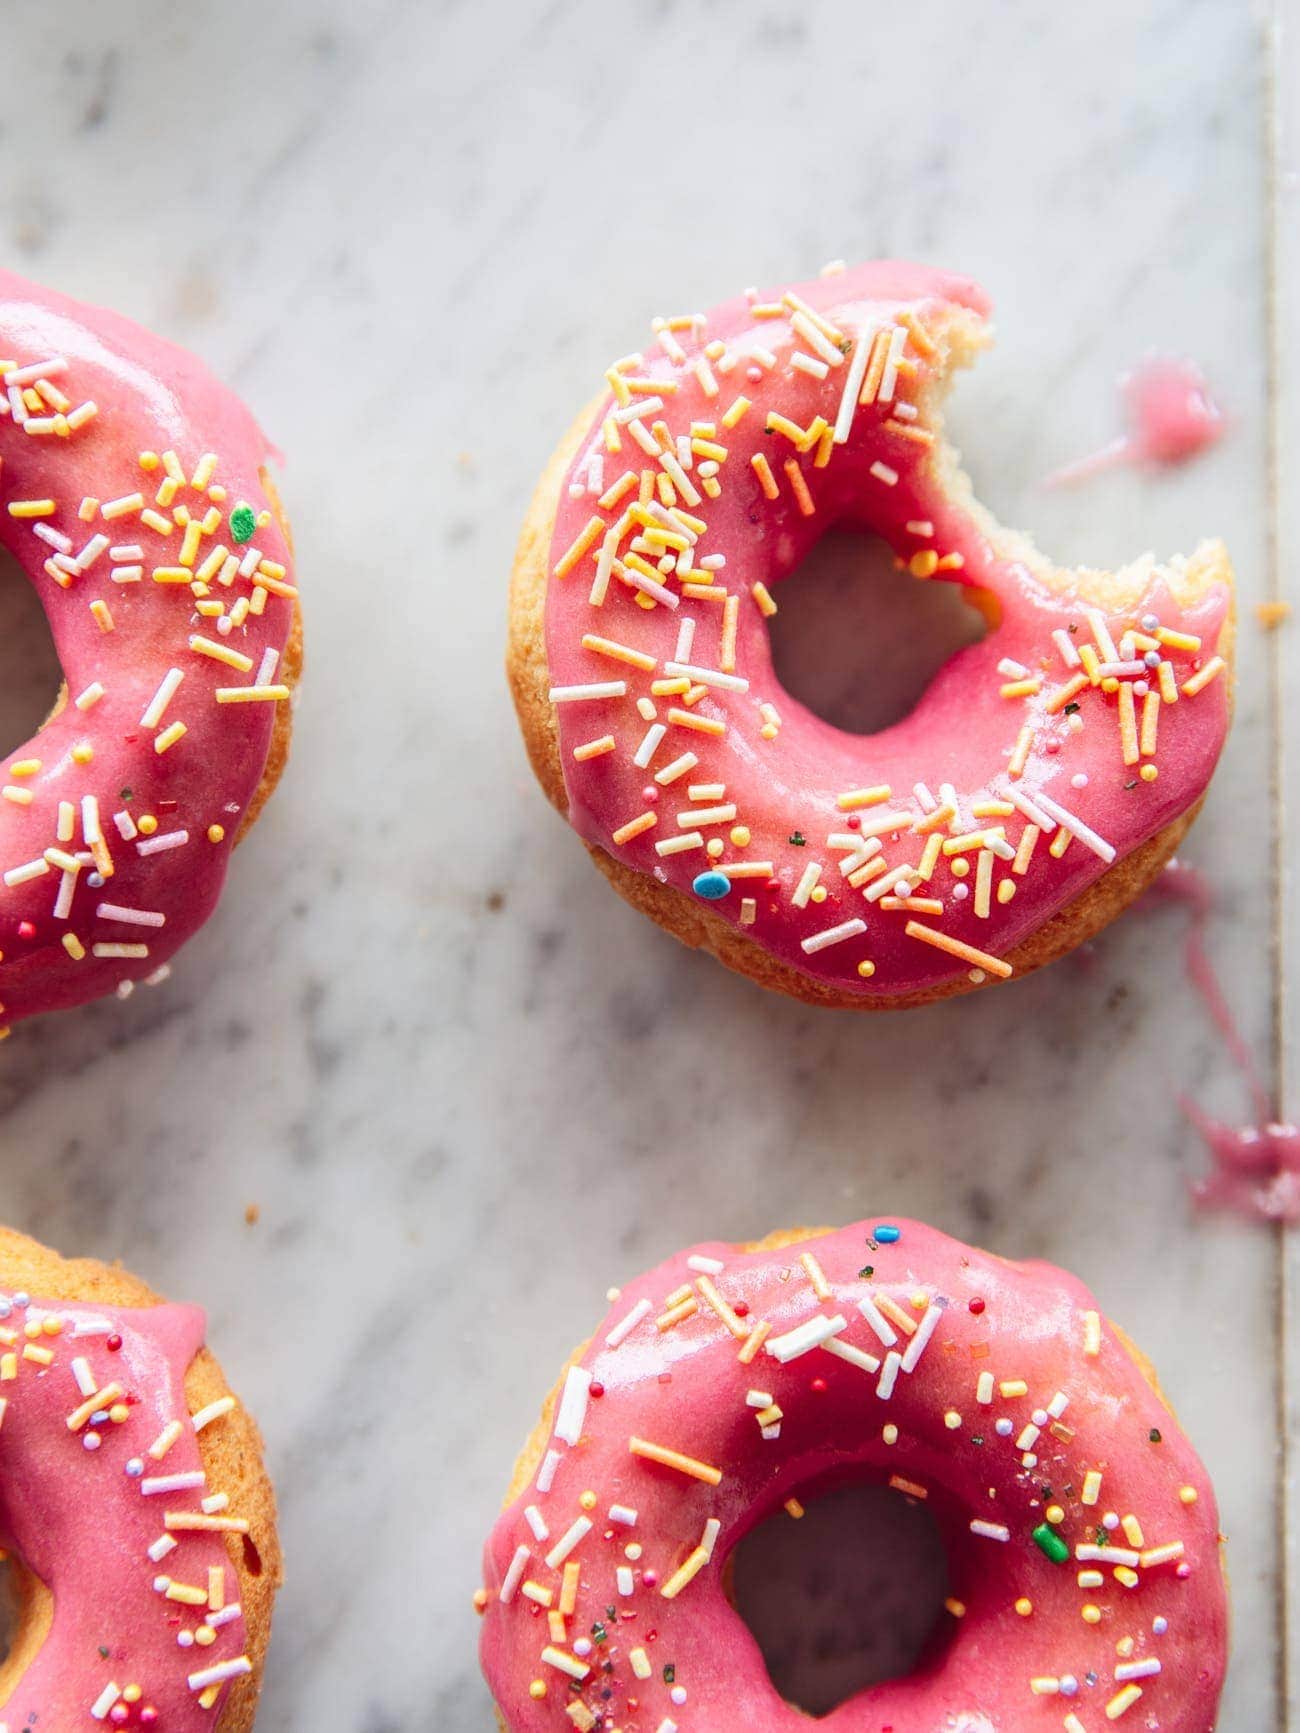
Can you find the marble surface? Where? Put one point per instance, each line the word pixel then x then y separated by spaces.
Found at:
pixel 467 1087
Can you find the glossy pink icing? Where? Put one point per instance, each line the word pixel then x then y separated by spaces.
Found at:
pixel 1172 417
pixel 684 1387
pixel 84 1524
pixel 1256 1169
pixel 151 397
pixel 787 783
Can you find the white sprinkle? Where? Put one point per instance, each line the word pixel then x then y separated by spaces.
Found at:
pixel 834 935
pixel 883 1329
pixel 219 1674
pixel 854 1356
pixel 595 689
pixel 151 1486
pixel 546 1473
pixel 572 1415
pixel 1137 1670
pixel 705 1266
pixel 577 1531
pixel 1108 1555
pixel 536 1521
pixel 706 676
pixel 649 745
pixel 623 1514
pixel 853 385
pixel 990 1530
pixel 625 1326
pixel 162 1546
pixel 131 917
pixel 87 1383
pixel 889 1376
pixel 104 1702
pixel 1077 828
pixel 804 1338
pixel 158 844
pixel 924 1330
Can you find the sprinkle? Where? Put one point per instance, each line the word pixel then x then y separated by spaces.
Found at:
pixel 684 1574
pixel 837 935
pixel 990 1530
pixel 572 1536
pixel 889 1375
pixel 687 1465
pixel 805 1337
pixel 1121 1701
pixel 1198 682
pixel 595 689
pixel 622 1330
pixel 1092 1334
pixel 1050 1544
pixel 958 948
pixel 571 1416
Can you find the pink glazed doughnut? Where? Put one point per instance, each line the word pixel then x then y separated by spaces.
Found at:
pixel 1081 1530
pixel 1039 785
pixel 134 495
pixel 134 1505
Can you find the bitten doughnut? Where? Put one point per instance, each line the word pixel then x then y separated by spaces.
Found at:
pixel 135 1506
pixel 134 495
pixel 1044 777
pixel 1081 1530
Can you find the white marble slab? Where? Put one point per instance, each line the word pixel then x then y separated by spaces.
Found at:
pixel 467 1086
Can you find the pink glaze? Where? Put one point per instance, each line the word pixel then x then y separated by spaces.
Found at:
pixel 83 1520
pixel 1172 417
pixel 151 398
pixel 787 782
pixel 684 1386
pixel 1256 1167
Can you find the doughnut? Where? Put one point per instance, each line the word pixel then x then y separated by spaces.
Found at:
pixel 1037 787
pixel 134 1505
pixel 732 1381
pixel 134 494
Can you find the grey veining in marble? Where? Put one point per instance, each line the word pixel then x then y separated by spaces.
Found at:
pixel 467 1087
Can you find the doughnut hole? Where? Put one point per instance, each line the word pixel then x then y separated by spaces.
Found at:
pixel 847 1596
pixel 857 641
pixel 26 1614
pixel 30 676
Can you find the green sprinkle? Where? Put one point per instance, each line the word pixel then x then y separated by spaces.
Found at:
pixel 1049 1542
pixel 670 1674
pixel 1154 1435
pixel 866 1272
pixel 243 522
pixel 797 838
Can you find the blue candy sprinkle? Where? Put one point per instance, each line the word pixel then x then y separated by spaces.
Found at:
pixel 887 1234
pixel 712 887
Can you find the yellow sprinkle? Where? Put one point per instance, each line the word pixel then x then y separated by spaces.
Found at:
pixel 74 947
pixel 25 508
pixel 147 824
pixel 216 833
pixel 1198 682
pixel 168 738
pixel 634 827
pixel 1024 1606
pixel 102 617
pixel 83 752
pixel 955 1607
pixel 860 797
pixel 1090 1614
pixel 687 1465
pixel 591 531
pixel 684 1574
pixel 1121 1701
pixel 251 694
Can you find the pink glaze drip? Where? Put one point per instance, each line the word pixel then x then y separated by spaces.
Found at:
pixel 964 732
pixel 151 397
pixel 685 1387
pixel 83 1524
pixel 1171 415
pixel 1256 1167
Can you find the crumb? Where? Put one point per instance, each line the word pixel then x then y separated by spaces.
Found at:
pixel 252 1214
pixel 1271 614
